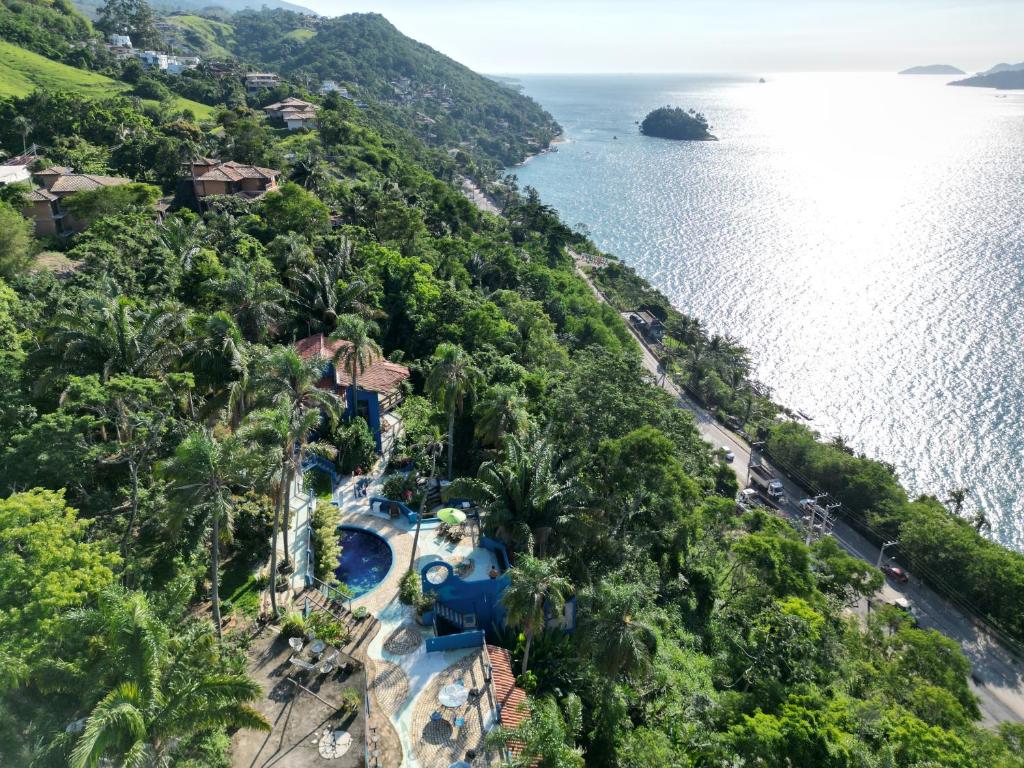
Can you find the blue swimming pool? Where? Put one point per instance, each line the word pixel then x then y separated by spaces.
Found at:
pixel 365 560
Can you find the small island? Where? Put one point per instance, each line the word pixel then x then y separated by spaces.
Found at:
pixel 933 69
pixel 676 123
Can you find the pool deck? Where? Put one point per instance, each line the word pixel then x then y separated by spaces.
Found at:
pixel 404 679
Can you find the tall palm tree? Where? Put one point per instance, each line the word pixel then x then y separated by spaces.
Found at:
pixel 110 334
pixel 203 473
pixel 451 382
pixel 288 381
pixel 276 430
pixel 524 495
pixel 358 354
pixel 501 412
pixel 257 304
pixel 219 358
pixel 182 236
pixel 24 127
pixel 324 294
pixel 611 634
pixel 431 445
pixel 152 686
pixel 534 584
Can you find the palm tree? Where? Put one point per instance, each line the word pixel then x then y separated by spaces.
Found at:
pixel 256 304
pixel 431 445
pixel 219 358
pixel 24 127
pixel 534 584
pixel 612 636
pixel 274 429
pixel 453 379
pixel 110 334
pixel 203 472
pixel 501 412
pixel 288 381
pixel 524 496
pixel 152 686
pixel 357 354
pixel 183 237
pixel 322 291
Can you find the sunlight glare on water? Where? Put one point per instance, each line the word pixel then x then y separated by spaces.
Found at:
pixel 861 233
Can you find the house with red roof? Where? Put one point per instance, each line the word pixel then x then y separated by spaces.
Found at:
pixel 216 177
pixel 379 386
pixel 44 202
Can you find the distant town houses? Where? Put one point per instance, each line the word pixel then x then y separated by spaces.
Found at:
pixel 295 113
pixel 216 177
pixel 257 81
pixel 44 202
pixel 121 47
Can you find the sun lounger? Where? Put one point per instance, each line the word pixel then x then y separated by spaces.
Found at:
pixel 300 664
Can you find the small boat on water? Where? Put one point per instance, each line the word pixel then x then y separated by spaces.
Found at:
pixel 762 80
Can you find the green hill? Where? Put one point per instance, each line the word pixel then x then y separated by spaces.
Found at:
pixel 200 36
pixel 22 71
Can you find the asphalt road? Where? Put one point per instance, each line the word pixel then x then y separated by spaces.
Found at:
pixel 997 678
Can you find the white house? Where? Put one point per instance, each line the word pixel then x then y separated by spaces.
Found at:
pixel 119 41
pixel 330 86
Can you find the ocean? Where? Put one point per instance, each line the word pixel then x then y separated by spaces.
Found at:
pixel 861 234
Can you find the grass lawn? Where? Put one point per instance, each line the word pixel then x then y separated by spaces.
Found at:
pixel 300 34
pixel 238 584
pixel 22 72
pixel 210 38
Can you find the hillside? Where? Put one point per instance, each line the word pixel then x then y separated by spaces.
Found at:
pixel 53 29
pixel 199 36
pixel 1003 81
pixel 23 71
pixel 933 69
pixel 1003 67
pixel 443 102
pixel 91 7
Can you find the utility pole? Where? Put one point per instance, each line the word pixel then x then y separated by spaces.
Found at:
pixel 881 552
pixel 828 520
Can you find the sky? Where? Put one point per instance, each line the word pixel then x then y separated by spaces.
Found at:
pixel 548 36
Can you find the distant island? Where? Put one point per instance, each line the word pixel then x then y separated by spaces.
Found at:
pixel 676 123
pixel 1005 80
pixel 1003 67
pixel 933 69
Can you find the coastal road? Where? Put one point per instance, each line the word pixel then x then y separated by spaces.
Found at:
pixel 997 677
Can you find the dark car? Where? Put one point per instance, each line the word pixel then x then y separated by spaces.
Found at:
pixel 896 574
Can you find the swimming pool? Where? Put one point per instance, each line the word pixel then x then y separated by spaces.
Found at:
pixel 365 560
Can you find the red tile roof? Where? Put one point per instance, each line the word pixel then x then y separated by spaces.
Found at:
pixel 379 376
pixel 232 171
pixel 514 709
pixel 84 182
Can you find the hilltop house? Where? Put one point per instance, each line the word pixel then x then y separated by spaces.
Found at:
pixel 213 177
pixel 165 62
pixel 257 81
pixel 119 41
pixel 295 113
pixel 380 388
pixel 44 203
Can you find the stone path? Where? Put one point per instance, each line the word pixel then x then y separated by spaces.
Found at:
pixel 404 640
pixel 391 686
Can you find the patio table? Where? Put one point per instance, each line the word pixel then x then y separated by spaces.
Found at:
pixel 454 695
pixel 317 647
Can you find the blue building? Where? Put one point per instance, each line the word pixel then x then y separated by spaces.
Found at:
pixel 379 385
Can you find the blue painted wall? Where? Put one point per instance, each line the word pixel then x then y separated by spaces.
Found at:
pixel 470 639
pixel 372 407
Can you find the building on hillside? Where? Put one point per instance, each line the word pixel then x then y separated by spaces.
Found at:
pixel 119 41
pixel 15 170
pixel 295 113
pixel 331 86
pixel 165 62
pixel 257 81
pixel 379 388
pixel 44 203
pixel 213 177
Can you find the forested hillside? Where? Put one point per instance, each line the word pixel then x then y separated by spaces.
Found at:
pixel 154 412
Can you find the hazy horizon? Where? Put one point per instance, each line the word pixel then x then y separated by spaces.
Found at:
pixel 701 36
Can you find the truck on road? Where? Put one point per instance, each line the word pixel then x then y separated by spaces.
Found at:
pixel 765 482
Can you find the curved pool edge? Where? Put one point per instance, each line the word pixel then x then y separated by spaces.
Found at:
pixel 391 550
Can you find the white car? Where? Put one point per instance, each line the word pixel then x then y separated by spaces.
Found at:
pixel 727 453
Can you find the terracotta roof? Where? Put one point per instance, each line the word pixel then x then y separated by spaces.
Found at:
pixel 290 103
pixel 83 182
pixel 232 171
pixel 55 170
pixel 511 699
pixel 379 376
pixel 41 195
